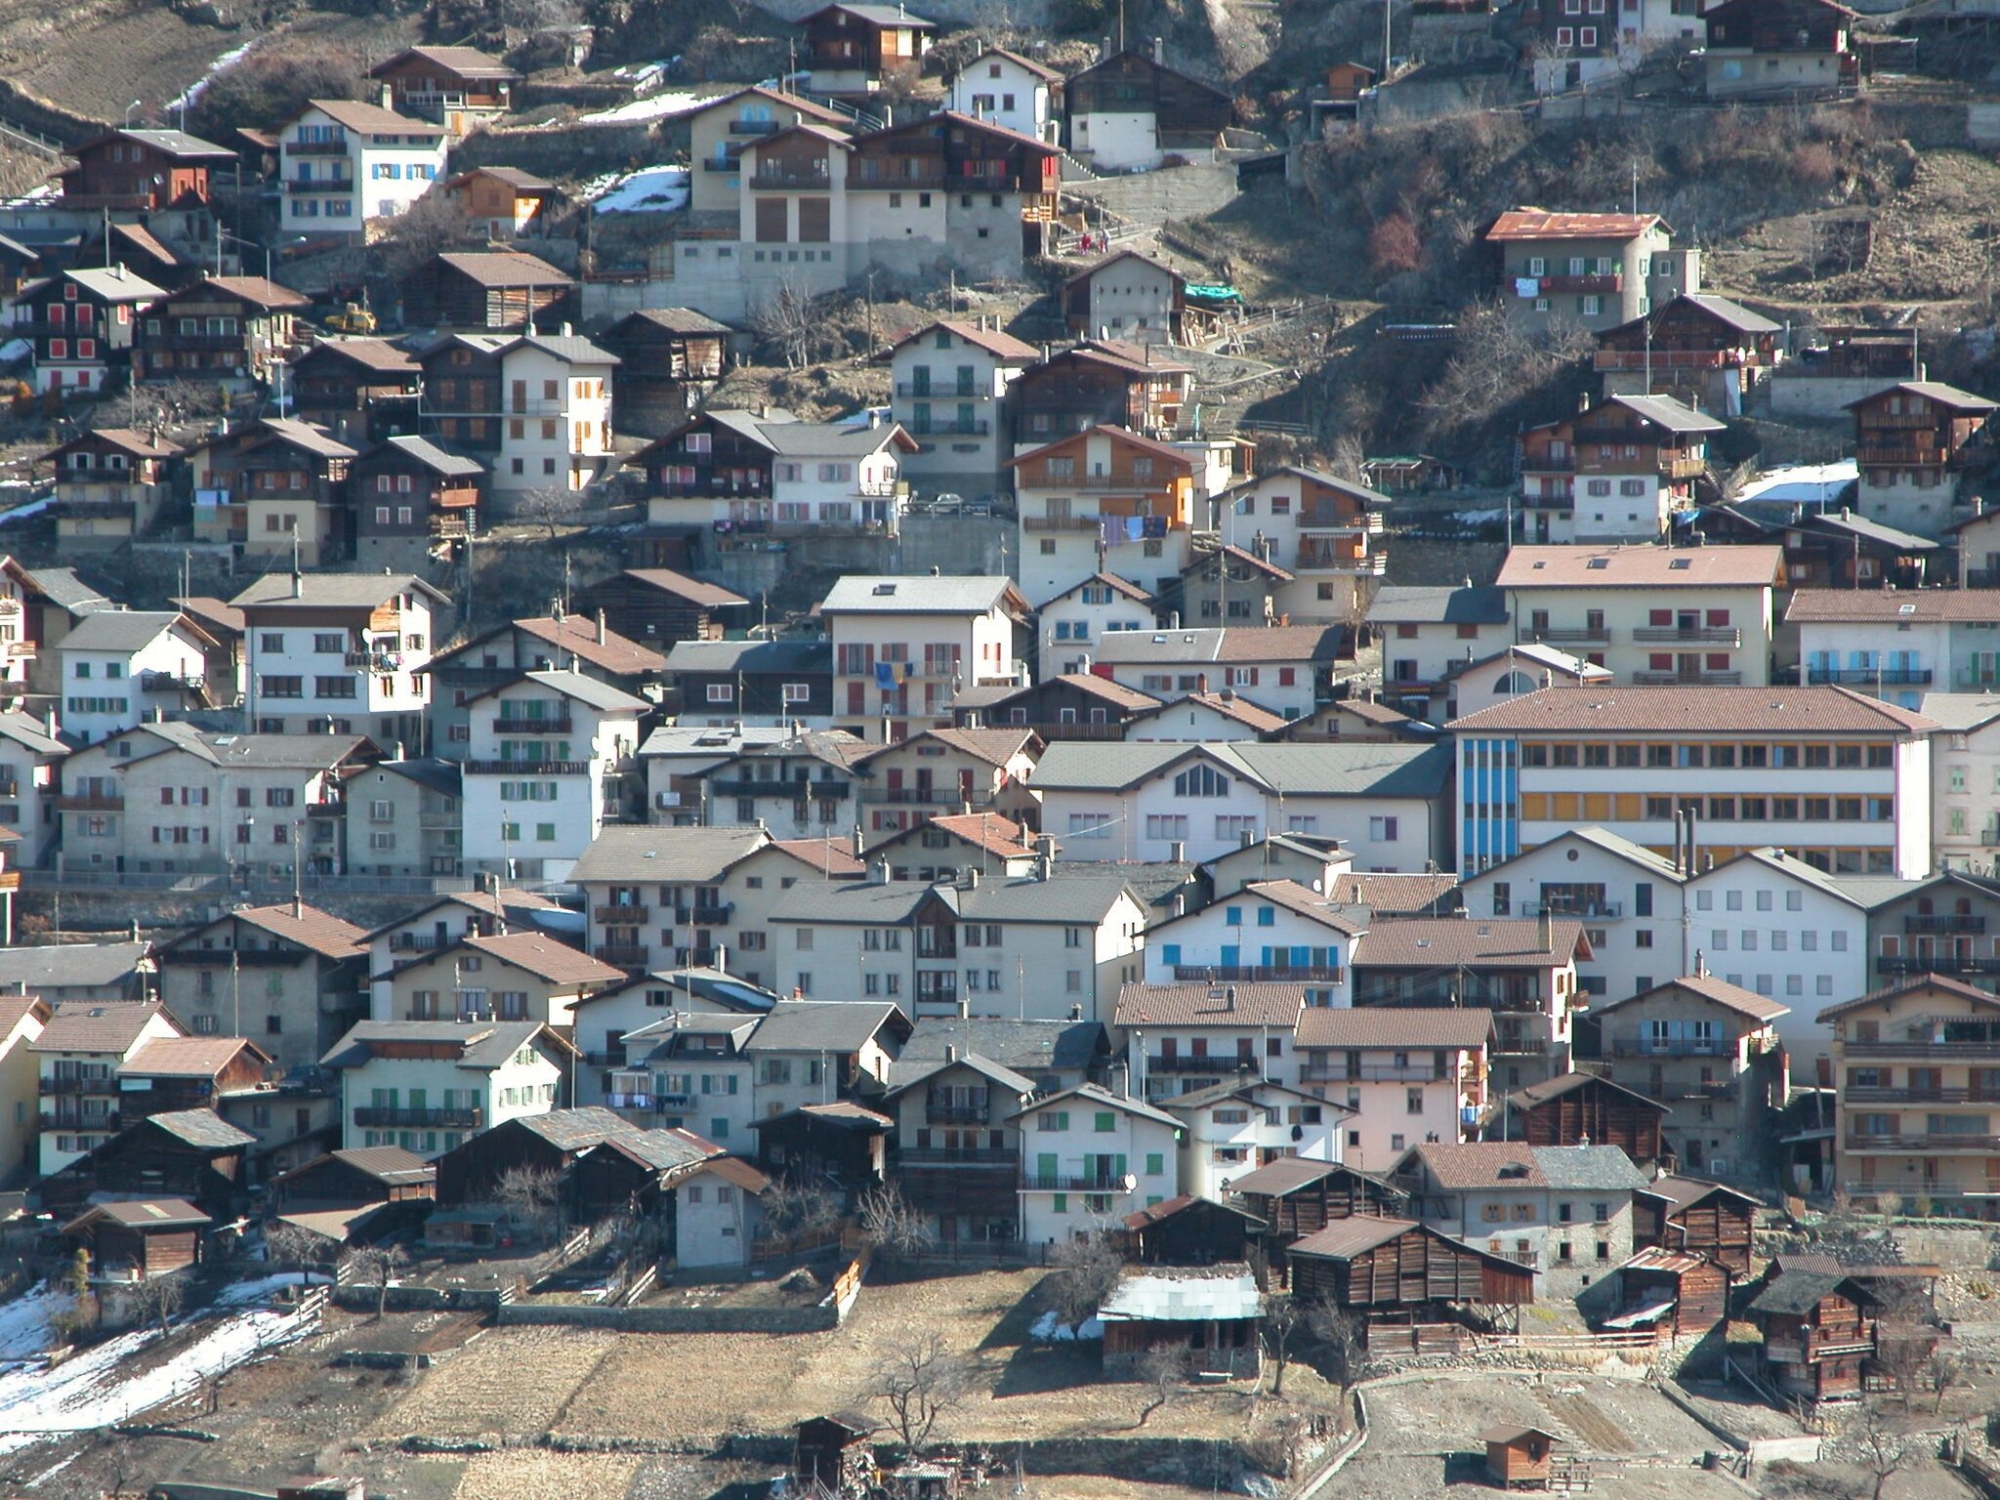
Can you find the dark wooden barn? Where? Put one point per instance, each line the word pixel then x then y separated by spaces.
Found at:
pixel 1819 1331
pixel 1211 1314
pixel 657 606
pixel 564 1142
pixel 140 1238
pixel 372 1174
pixel 1371 1265
pixel 1677 1292
pixel 1522 1456
pixel 1581 1109
pixel 1295 1197
pixel 835 1449
pixel 1686 1213
pixel 192 1153
pixel 842 1140
pixel 1188 1231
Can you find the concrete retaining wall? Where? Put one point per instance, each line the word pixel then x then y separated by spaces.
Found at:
pixel 821 1319
pixel 1798 1450
pixel 360 1298
pixel 1820 395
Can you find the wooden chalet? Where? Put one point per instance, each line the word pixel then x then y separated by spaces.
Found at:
pixel 426 81
pixel 504 203
pixel 668 356
pixel 1819 1333
pixel 1099 384
pixel 1582 1109
pixel 139 1238
pixel 761 681
pixel 1694 346
pixel 357 389
pixel 657 606
pixel 958 1154
pixel 407 489
pixel 221 328
pixel 1214 1314
pixel 1705 1218
pixel 1916 426
pixel 1188 115
pixel 1519 1456
pixel 842 1141
pixel 559 1142
pixel 959 154
pixel 142 170
pixel 1677 1292
pixel 1373 1266
pixel 856 49
pixel 493 290
pixel 1855 352
pixel 1295 1198
pixel 1072 706
pixel 193 1154
pixel 1187 1231
pixel 357 1196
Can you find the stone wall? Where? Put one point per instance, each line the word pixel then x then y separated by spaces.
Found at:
pixel 1821 395
pixel 820 1318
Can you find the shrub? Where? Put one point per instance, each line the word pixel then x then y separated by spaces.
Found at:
pixel 1393 246
pixel 1813 163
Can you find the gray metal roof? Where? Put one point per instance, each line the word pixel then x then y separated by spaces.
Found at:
pixel 483 1045
pixel 589 691
pixel 1422 604
pixel 570 349
pixel 1025 1046
pixel 1089 1095
pixel 1019 899
pixel 1593 1167
pixel 670 856
pixel 445 777
pixel 434 458
pixel 824 1025
pixel 751 656
pixel 280 589
pixel 1359 770
pixel 56 965
pixel 204 1129
pixel 122 630
pixel 270 752
pixel 63 586
pixel 905 1074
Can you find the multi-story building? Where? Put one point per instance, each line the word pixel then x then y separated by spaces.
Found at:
pixel 762 683
pixel 342 163
pixel 1010 90
pixel 1778 47
pixel 110 485
pixel 682 1070
pixel 409 497
pixel 558 414
pixel 1129 111
pixel 944 846
pixel 816 1052
pixel 79 325
pixel 1286 670
pixel 1618 471
pixel 1323 531
pixel 464 391
pixel 1591 271
pixel 1267 931
pixel 1100 384
pixel 507 976
pixel 1703 350
pixel 656 901
pixel 1127 295
pixel 141 171
pixel 31 760
pixel 340 653
pixel 77 1057
pixel 1103 501
pixel 557 641
pixel 552 760
pixel 120 666
pixel 1965 762
pixel 859 50
pixel 1628 898
pixel 276 489
pixel 1523 971
pixel 958 1143
pixel 493 290
pixel 1161 801
pixel 428 1086
pixel 301 970
pixel 1232 1128
pixel 404 819
pixel 971 770
pixel 1697 1044
pixel 732 473
pixel 441 923
pixel 1182 1037
pixel 657 606
pixel 1069 623
pixel 1913 442
pixel 1731 755
pixel 1426 631
pixel 1586 43
pixel 968 946
pixel 461 88
pixel 1405 1075
pixel 799 785
pixel 1916 1077
pixel 22 1019
pixel 231 330
pixel 1651 615
pixel 948 390
pixel 721 128
pixel 1898 644
pixel 263 805
pixel 904 647
pixel 669 359
pixel 1089 1157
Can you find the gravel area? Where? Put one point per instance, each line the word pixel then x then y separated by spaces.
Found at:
pixel 530 1474
pixel 512 1381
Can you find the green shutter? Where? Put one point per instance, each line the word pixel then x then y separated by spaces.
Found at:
pixel 1106 1122
pixel 1155 1164
pixel 1118 1165
pixel 1059 1204
pixel 1045 1165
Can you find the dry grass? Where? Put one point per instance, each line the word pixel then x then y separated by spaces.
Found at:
pixel 512 1381
pixel 528 1474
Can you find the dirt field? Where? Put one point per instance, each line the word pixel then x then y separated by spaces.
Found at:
pixel 1588 1414
pixel 511 1381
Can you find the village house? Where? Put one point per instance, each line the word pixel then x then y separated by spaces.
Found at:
pixel 1692 1216
pixel 1511 673
pixel 656 902
pixel 355 388
pixel 409 496
pixel 657 606
pixel 235 330
pixel 141 171
pixel 903 647
pixel 972 770
pixel 428 1086
pixel 720 130
pixel 1698 1044
pixel 1403 1074
pixel 404 819
pixel 1203 718
pixel 139 1239
pixel 809 1052
pixel 100 973
pixel 680 1070
pixel 1898 644
pixel 558 425
pixel 956 1153
pixel 1294 1197
pixel 1779 47
pixel 505 202
pixel 77 1057
pixel 669 358
pixel 801 784
pixel 1127 296
pixel 768 684
pixel 1914 441
pixel 1819 1329
pixel 1069 623
pixel 948 390
pixel 460 88
pixel 1275 931
pixel 441 923
pixel 110 485
pixel 122 666
pixel 944 846
pixel 1054 1054
pixel 1089 1157
pixel 1010 90
pixel 1323 531
pixel 1367 1265
pixel 1230 1129
pixel 1284 669
pixel 301 969
pixel 1938 925
pixel 464 391
pixel 1703 350
pixel 342 163
pixel 1103 501
pixel 1595 271
pixel 495 291
pixel 558 641
pixel 1130 111
pixel 79 325
pixel 1074 705
pixel 512 976
pixel 1100 384
pixel 1619 471
pixel 340 653
pixel 856 50
pixel 718 1212
pixel 1583 1109
pixel 1427 631
pixel 1189 1036
pixel 275 488
pixel 356 1197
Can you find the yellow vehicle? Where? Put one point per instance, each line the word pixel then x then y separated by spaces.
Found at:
pixel 351 318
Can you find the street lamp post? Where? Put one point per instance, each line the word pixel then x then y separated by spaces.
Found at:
pixel 128 112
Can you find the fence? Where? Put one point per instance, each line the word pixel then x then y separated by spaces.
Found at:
pixel 1455 1338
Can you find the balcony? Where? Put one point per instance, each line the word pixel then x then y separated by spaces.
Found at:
pixel 797 791
pixel 911 796
pixel 91 802
pixel 374 661
pixel 1900 456
pixel 319 184
pixel 507 724
pixel 1984 1143
pixel 1688 679
pixel 1928 963
pixel 1589 635
pixel 375 1116
pixel 752 127
pixel 1639 1046
pixel 1060 1182
pixel 704 916
pixel 958 1114
pixel 941 393
pixel 623 955
pixel 620 915
pixel 169 682
pixel 1950 921
pixel 790 182
pixel 1260 973
pixel 527 767
pixel 1378 1073
pixel 1614 282
pixel 1718 635
pixel 1518 1044
pixel 89 1124
pixel 1220 1065
pixel 70 1083
pixel 723 164
pixel 1869 676
pixel 1061 523
pixel 316 148
pixel 1672 359
pixel 611 1058
pixel 1853 1096
pixel 938 1156
pixel 1972 677
pixel 97 510
pixel 1319 560
pixel 1369 524
pixel 1583 911
pixel 967 427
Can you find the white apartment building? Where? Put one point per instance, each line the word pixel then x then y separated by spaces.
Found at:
pixel 557 430
pixel 814 1051
pixel 667 1067
pixel 1280 668
pixel 428 1086
pixel 948 391
pixel 1070 624
pixel 1628 898
pixel 1428 631
pixel 1009 90
pixel 1236 1127
pixel 1653 615
pixel 1187 1036
pixel 1090 1157
pixel 721 129
pixel 341 163
pixel 656 900
pixel 1104 500
pixel 553 759
pixel 904 647
pixel 751 474
pixel 1164 801
pixel 1899 644
pixel 119 666
pixel 1840 779
pixel 31 760
pixel 1275 931
pixel 1324 531
pixel 77 1057
pixel 1405 1075
pixel 341 653
pixel 1965 779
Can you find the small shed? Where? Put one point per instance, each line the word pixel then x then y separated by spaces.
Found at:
pixel 1188 1231
pixel 836 1450
pixel 140 1238
pixel 842 1140
pixel 1213 1312
pixel 1520 1456
pixel 1679 1292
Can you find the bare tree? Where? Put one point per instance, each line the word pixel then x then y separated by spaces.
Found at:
pixel 1879 1449
pixel 788 321
pixel 437 222
pixel 380 1262
pixel 1941 1373
pixel 294 1246
pixel 550 506
pixel 532 1197
pixel 1282 1320
pixel 1344 461
pixel 1164 1369
pixel 1889 1205
pixel 798 1212
pixel 159 1298
pixel 921 1380
pixel 1342 1346
pixel 888 1222
pixel 1088 1268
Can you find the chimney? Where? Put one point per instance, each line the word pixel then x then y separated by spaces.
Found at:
pixel 397 751
pixel 388 97
pixel 600 627
pixel 1174 620
pixel 965 1007
pixel 1247 838
pixel 1076 1010
pixel 1159 52
pixel 1201 683
pixel 1043 867
pixel 568 330
pixel 1700 964
pixel 858 849
pixel 1180 905
pixel 950 1052
pixel 1545 931
pixel 878 873
pixel 1177 852
pixel 1229 998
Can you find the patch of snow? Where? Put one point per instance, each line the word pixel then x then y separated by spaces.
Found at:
pixel 265 1286
pixel 87 1392
pixel 25 1323
pixel 1050 1330
pixel 32 508
pixel 1090 1328
pixel 653 107
pixel 221 64
pixel 1479 517
pixel 654 190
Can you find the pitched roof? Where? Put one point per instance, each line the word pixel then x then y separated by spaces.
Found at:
pixel 1696 710
pixel 1568 1083
pixel 1732 314
pixel 694 590
pixel 1091 1094
pixel 124 630
pixel 578 635
pixel 1709 987
pixel 1282 643
pixel 1336 1027
pixel 202 1128
pixel 370 353
pixel 114 284
pixel 1023 898
pixel 252 289
pixel 1930 390
pixel 431 456
pixel 124 439
pixel 1344 1239
pixel 828 856
pixel 1226 703
pixel 1329 770
pixel 736 1171
pixel 1478 943
pixel 1634 567
pixel 671 856
pixel 1681 1190
pixel 994 747
pixel 546 958
pixel 172 142
pixel 990 831
pixel 61 965
pixel 141 1214
pixel 269 752
pixel 601 696
pixel 1541 224
pixel 1860 606
pixel 1287 1174
pixel 466 62
pixel 1000 345
pixel 1796 1291
pixel 320 931
pixel 1957 988
pixel 673 320
pixel 1026 1046
pixel 1392 895
pixel 392 1165
pixel 1421 604
pixel 1047 74
pixel 824 1025
pixel 370 118
pixel 1303 901
pixel 482 1046
pixel 1481 1164
pixel 1128 254
pixel 1235 1006
pixel 866 594
pixel 906 1073
pixel 798 102
pixel 1665 411
pixel 186 1056
pixel 275 590
pixel 1117 585
pixel 880 15
pixel 505 268
pixel 1121 436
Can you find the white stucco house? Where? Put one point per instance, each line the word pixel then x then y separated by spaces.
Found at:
pixel 428 1086
pixel 342 163
pixel 1089 1157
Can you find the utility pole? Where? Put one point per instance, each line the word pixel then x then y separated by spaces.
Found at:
pixel 235 990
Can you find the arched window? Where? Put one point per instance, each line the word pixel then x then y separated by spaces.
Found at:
pixel 1201 781
pixel 1514 684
